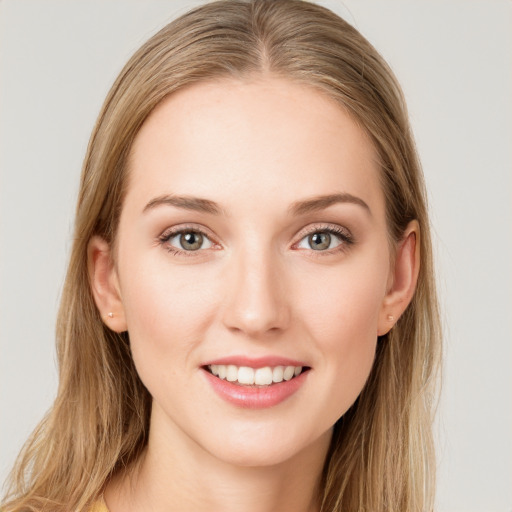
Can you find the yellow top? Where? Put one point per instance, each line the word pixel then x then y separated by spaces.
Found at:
pixel 99 506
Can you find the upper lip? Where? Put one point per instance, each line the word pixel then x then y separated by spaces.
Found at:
pixel 256 362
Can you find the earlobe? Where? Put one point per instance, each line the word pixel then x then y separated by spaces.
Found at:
pixel 105 284
pixel 404 279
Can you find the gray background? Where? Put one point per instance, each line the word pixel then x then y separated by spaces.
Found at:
pixel 453 58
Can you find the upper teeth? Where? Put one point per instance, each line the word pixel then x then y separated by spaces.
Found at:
pixel 259 376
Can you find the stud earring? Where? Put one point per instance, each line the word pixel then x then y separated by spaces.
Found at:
pixel 391 318
pixel 111 315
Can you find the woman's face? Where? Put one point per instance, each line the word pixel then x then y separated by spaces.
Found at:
pixel 252 238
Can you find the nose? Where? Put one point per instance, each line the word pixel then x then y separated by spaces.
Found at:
pixel 256 300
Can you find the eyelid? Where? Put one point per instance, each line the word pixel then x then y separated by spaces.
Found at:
pixel 181 228
pixel 315 228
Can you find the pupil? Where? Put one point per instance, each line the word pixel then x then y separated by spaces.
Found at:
pixel 320 241
pixel 191 241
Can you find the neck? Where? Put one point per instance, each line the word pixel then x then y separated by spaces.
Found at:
pixel 183 476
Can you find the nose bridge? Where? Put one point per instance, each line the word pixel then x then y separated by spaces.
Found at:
pixel 256 293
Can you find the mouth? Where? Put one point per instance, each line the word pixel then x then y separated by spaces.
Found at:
pixel 247 376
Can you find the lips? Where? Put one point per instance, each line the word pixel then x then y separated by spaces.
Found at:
pixel 255 383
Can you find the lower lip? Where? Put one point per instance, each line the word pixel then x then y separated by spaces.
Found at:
pixel 252 397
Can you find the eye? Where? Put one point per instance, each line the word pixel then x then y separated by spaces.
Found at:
pixel 325 239
pixel 185 240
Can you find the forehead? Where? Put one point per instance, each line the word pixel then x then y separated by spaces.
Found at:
pixel 267 138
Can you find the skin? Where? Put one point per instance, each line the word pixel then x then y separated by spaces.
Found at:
pixel 256 287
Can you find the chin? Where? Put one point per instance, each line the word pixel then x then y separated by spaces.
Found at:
pixel 254 458
pixel 272 449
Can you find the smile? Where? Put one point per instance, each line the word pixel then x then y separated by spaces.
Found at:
pixel 247 376
pixel 255 383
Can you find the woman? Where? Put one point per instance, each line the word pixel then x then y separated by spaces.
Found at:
pixel 249 320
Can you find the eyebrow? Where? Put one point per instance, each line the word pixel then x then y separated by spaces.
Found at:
pixel 317 203
pixel 186 202
pixel 313 204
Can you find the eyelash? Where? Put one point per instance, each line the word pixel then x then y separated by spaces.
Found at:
pixel 346 239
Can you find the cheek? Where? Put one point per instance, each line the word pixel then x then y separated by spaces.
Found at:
pixel 348 337
pixel 343 323
pixel 166 310
pixel 344 305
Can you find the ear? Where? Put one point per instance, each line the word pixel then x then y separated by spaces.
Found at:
pixel 403 279
pixel 104 284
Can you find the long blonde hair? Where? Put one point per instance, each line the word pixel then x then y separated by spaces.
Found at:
pixel 381 457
